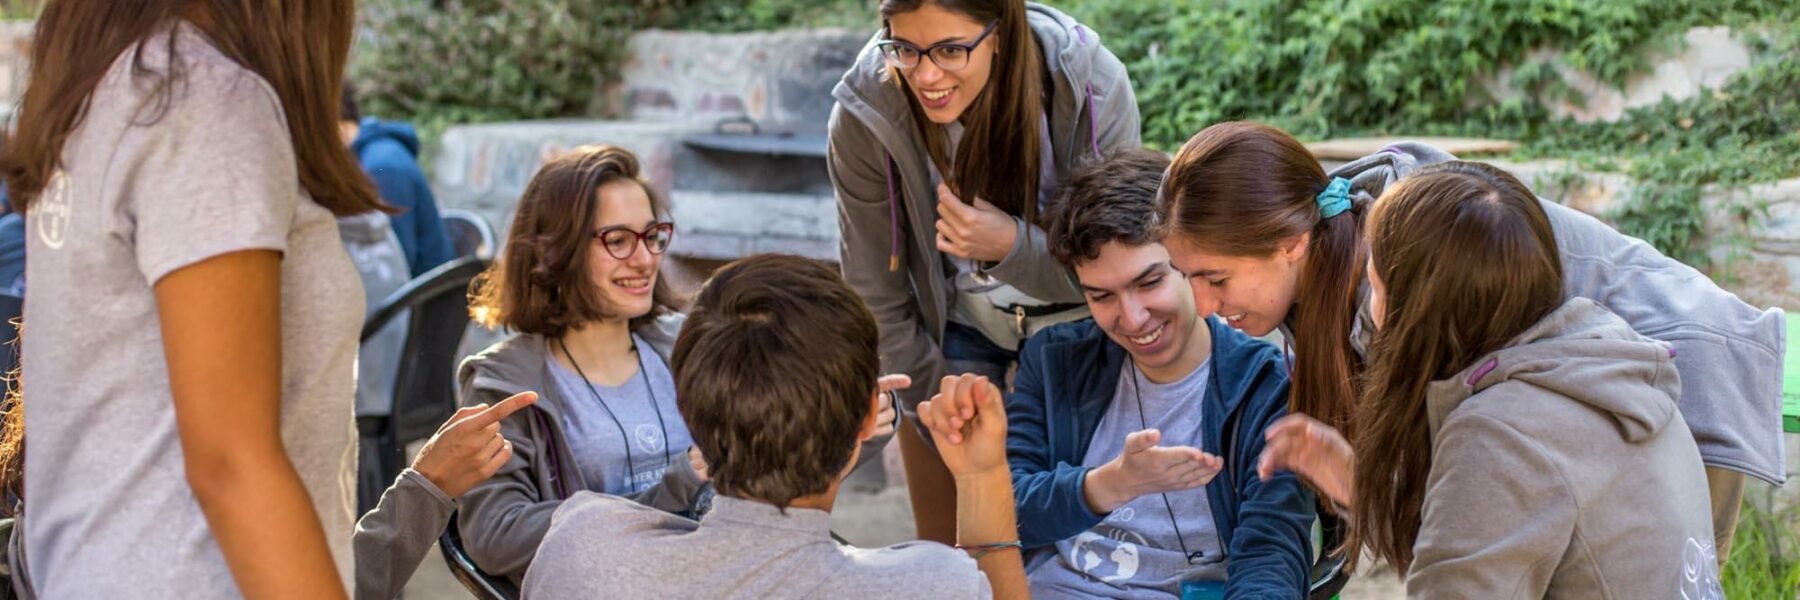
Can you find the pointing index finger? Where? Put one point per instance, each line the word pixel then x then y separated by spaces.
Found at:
pixel 504 409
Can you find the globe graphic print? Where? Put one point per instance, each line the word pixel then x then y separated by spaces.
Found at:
pixel 1111 557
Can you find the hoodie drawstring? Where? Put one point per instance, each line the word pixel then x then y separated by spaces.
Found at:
pixel 1093 121
pixel 887 168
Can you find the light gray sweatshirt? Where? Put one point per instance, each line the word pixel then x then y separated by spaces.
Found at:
pixel 1731 353
pixel 1562 468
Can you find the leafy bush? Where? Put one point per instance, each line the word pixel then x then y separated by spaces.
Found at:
pixel 1765 557
pixel 760 15
pixel 1322 68
pixel 20 9
pixel 440 62
pixel 1331 68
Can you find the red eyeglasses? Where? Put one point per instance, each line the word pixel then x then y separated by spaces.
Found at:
pixel 621 241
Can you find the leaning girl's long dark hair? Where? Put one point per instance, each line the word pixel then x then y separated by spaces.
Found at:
pixel 1469 261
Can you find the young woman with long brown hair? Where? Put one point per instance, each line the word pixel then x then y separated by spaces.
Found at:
pixel 1260 228
pixel 1514 442
pixel 950 134
pixel 193 315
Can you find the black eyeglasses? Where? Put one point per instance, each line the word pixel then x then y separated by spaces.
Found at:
pixel 949 56
pixel 621 241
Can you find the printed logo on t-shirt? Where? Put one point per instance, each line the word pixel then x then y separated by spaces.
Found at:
pixel 1109 553
pixel 649 438
pixel 1700 572
pixel 52 211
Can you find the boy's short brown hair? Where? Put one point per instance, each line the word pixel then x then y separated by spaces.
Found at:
pixel 775 369
pixel 1113 201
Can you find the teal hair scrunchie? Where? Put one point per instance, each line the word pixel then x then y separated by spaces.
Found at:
pixel 1335 199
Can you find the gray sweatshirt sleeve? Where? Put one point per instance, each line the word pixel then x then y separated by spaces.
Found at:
pixel 504 518
pixel 393 539
pixel 1031 268
pixel 1498 515
pixel 864 220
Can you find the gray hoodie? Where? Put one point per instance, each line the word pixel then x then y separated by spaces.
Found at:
pixel 1731 353
pixel 887 207
pixel 1562 468
pixel 504 519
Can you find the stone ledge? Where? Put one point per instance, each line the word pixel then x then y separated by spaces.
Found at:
pixel 727 225
pixel 484 168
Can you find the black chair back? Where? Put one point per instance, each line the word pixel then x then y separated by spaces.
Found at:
pixel 1328 574
pixel 483 585
pixel 470 234
pixel 436 306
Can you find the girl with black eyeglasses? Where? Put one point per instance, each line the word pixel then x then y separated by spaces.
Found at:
pixel 950 135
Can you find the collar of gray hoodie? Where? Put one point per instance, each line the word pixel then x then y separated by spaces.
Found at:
pixel 1372 174
pixel 1582 352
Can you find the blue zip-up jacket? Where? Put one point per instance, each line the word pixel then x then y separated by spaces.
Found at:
pixel 1066 380
pixel 389 154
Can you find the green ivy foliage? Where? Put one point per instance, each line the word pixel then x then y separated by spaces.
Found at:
pixel 457 61
pixel 1337 68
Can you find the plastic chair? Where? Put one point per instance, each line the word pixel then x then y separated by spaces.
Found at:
pixel 470 234
pixel 480 583
pixel 436 306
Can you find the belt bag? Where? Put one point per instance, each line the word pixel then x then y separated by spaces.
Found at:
pixel 1009 326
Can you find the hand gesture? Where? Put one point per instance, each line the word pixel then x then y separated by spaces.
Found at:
pixel 978 231
pixel 967 419
pixel 468 448
pixel 887 385
pixel 1146 468
pixel 698 462
pixel 1314 450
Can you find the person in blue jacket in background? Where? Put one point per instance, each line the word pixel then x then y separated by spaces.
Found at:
pixel 1133 437
pixel 389 153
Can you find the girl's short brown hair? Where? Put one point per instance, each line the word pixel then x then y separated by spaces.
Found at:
pixel 539 285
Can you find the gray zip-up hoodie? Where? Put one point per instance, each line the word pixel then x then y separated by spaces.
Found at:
pixel 1731 353
pixel 887 207
pixel 1561 468
pixel 503 519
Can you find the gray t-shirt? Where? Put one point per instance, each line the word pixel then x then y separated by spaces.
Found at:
pixel 644 407
pixel 608 547
pixel 142 193
pixel 1134 552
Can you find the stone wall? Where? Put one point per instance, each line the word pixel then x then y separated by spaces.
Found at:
pixel 484 168
pixel 781 80
pixel 1705 59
